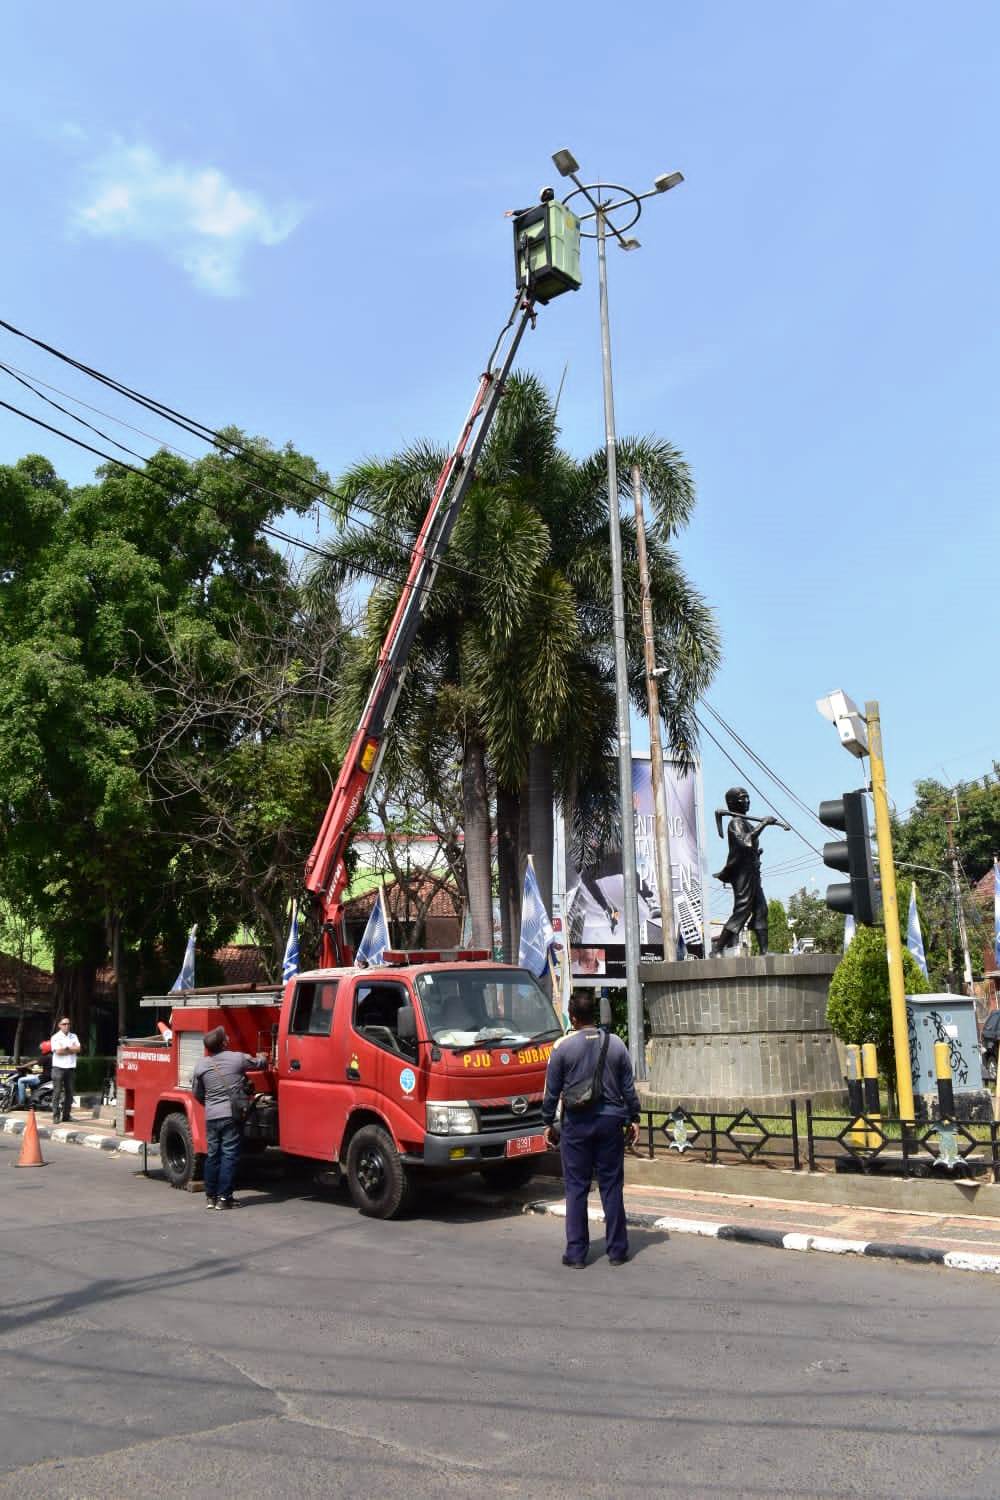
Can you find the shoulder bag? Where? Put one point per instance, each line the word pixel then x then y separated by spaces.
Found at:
pixel 240 1099
pixel 590 1093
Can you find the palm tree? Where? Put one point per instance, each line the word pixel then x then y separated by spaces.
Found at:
pixel 513 667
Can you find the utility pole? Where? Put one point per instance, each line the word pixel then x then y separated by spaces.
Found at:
pixel 890 915
pixel 956 884
pixel 664 876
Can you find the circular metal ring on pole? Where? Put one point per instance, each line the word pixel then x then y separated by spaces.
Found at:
pixel 614 187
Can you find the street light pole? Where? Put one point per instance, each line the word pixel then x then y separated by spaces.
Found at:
pixel 630 892
pixel 601 208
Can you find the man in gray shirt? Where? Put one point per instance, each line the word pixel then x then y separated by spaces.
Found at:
pixel 214 1082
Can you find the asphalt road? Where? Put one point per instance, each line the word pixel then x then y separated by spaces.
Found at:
pixel 148 1348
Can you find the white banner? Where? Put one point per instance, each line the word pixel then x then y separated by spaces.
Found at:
pixel 594 896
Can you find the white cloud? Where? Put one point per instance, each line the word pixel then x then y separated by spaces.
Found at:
pixel 194 215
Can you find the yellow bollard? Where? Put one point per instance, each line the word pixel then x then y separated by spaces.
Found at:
pixel 873 1108
pixel 855 1096
pixel 945 1085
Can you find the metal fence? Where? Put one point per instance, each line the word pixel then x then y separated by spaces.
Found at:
pixel 803 1140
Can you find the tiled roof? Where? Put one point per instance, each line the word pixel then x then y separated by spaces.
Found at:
pixel 442 902
pixel 241 963
pixel 36 984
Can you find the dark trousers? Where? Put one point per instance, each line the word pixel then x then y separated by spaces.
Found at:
pixel 63 1080
pixel 224 1140
pixel 589 1145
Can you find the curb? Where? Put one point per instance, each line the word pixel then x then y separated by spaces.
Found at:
pixel 777 1239
pixel 14 1125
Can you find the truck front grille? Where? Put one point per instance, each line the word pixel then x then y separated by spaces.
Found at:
pixel 502 1117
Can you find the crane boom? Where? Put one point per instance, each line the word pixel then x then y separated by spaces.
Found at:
pixel 547 264
pixel 326 871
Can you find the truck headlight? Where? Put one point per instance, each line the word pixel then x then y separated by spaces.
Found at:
pixel 450 1119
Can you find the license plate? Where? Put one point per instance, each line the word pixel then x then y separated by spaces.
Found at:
pixel 525 1145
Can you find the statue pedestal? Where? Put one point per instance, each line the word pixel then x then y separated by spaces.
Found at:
pixel 729 1032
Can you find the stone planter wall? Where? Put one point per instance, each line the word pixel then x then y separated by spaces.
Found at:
pixel 733 1031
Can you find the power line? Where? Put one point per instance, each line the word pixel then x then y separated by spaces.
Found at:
pixel 215 438
pixel 758 761
pixel 763 795
pixel 109 458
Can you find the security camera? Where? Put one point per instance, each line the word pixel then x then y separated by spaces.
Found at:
pixel 547 194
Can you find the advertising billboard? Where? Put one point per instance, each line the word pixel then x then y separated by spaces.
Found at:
pixel 594 896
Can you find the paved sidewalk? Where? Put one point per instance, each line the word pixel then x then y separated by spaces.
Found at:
pixel 958 1242
pixel 100 1134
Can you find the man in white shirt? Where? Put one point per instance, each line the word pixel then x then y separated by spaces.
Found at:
pixel 65 1046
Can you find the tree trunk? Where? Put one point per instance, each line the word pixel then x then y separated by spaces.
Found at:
pixel 508 861
pixel 73 993
pixel 115 926
pixel 18 1034
pixel 478 864
pixel 540 818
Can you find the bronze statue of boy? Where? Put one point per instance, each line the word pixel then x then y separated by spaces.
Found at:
pixel 742 870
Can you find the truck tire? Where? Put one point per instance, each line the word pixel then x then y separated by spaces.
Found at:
pixel 380 1185
pixel 509 1174
pixel 177 1154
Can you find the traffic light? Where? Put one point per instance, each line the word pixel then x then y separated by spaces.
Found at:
pixel 860 896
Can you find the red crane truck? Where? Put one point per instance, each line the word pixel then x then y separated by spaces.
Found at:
pixel 432 1062
pixel 426 1064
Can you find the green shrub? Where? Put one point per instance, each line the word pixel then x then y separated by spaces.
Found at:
pixel 858 1007
pixel 91 1073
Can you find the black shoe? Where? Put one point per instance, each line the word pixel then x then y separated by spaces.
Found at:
pixel 574 1265
pixel 617 1260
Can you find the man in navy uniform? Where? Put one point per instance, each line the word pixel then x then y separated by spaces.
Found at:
pixel 592 1139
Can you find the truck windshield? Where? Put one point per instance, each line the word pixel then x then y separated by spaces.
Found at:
pixel 466 1007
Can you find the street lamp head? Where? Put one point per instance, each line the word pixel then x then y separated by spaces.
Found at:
pixel 664 183
pixel 629 245
pixel 566 163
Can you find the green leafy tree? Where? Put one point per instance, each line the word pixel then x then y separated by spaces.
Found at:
pixel 814 919
pixel 98 586
pixel 858 1007
pixel 921 848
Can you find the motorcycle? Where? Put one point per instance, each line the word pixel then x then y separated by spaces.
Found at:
pixel 40 1096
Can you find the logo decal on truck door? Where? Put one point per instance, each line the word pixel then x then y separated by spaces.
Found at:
pixel 407 1080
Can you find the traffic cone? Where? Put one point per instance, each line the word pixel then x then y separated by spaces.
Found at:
pixel 31 1150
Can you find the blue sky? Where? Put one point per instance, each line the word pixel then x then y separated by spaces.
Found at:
pixel 290 216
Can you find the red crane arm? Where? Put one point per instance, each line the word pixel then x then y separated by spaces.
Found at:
pixel 326 871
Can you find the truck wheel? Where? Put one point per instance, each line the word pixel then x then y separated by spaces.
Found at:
pixel 380 1185
pixel 177 1154
pixel 509 1174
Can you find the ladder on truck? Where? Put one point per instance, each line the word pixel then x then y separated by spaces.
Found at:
pixel 540 235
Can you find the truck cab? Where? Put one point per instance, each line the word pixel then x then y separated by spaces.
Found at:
pixel 419 1067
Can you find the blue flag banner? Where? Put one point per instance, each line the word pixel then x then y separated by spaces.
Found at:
pixel 375 938
pixel 290 962
pixel 914 937
pixel 996 912
pixel 537 936
pixel 185 979
pixel 848 931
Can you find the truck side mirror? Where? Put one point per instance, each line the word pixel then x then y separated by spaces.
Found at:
pixel 406 1024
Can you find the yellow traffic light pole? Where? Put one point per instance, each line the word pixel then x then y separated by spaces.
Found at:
pixel 890 914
